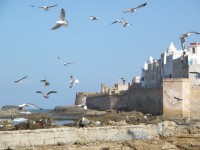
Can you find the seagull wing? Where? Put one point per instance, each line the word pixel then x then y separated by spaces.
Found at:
pixel 43 81
pixel 41 7
pixel 193 32
pixel 61 60
pixel 39 92
pixel 20 79
pixel 62 14
pixel 194 72
pixel 51 92
pixel 72 83
pixel 52 6
pixel 56 26
pixel 115 22
pixel 142 5
pixel 33 105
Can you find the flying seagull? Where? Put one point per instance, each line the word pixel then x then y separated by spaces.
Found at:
pixel 83 104
pixel 197 73
pixel 178 99
pixel 123 80
pixel 64 63
pixel 46 83
pixel 134 9
pixel 73 81
pixel 46 95
pixel 124 23
pixel 194 72
pixel 62 21
pixel 94 18
pixel 46 7
pixel 20 80
pixel 21 106
pixel 183 36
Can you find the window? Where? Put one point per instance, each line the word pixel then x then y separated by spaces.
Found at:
pixel 193 50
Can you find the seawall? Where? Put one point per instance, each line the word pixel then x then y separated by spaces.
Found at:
pixel 72 135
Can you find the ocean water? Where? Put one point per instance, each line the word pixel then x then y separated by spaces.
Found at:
pixel 39 111
pixel 60 120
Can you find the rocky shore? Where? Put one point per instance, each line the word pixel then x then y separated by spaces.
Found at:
pixel 171 133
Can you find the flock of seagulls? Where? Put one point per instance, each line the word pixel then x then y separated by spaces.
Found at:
pixel 72 81
pixel 64 22
pixel 123 21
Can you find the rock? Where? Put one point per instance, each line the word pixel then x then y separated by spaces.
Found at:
pixel 168 146
pixel 167 128
pixel 119 123
pixel 9 107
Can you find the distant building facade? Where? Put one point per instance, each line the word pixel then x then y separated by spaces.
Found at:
pixel 172 64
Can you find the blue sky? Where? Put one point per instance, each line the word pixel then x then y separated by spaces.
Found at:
pixel 100 52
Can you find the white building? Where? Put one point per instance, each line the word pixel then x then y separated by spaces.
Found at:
pixel 172 64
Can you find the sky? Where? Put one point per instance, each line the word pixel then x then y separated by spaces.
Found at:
pixel 100 52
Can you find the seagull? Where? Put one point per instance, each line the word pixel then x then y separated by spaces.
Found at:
pixel 94 18
pixel 134 9
pixel 64 63
pixel 20 80
pixel 124 23
pixel 47 7
pixel 194 72
pixel 183 36
pixel 21 106
pixel 83 122
pixel 32 6
pixel 62 21
pixel 83 104
pixel 197 74
pixel 73 81
pixel 123 80
pixel 46 83
pixel 46 95
pixel 178 99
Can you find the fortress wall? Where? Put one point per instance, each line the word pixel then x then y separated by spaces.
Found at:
pixel 71 135
pixel 194 102
pixel 172 89
pixel 146 100
pixel 98 102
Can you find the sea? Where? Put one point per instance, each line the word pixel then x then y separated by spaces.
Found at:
pixel 59 120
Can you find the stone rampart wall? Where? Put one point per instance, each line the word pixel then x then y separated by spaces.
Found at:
pixel 144 100
pixel 194 102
